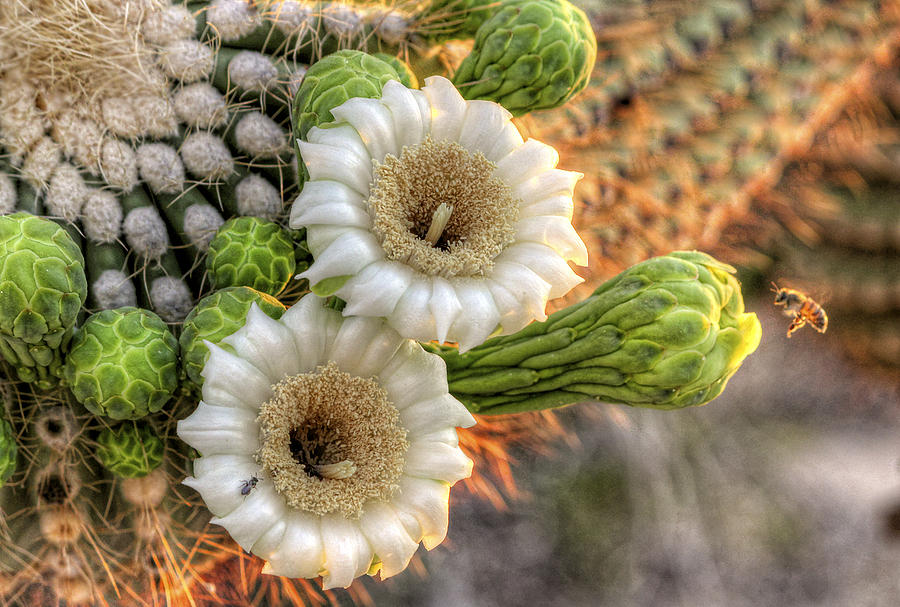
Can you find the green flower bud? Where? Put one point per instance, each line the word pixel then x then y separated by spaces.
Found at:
pixel 455 19
pixel 216 317
pixel 251 252
pixel 123 363
pixel 666 333
pixel 529 56
pixel 130 450
pixel 42 289
pixel 8 451
pixel 404 72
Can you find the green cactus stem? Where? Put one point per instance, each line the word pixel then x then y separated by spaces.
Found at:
pixel 8 451
pixel 122 363
pixel 667 333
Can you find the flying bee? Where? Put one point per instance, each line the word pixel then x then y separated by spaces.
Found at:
pixel 801 308
pixel 248 485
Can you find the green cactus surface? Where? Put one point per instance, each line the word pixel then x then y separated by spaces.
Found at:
pixel 457 19
pixel 530 56
pixel 215 317
pixel 8 451
pixel 123 363
pixel 251 252
pixel 129 450
pixel 666 333
pixel 42 289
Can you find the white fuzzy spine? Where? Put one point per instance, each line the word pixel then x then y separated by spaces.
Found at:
pixel 168 25
pixel 186 60
pixel 145 232
pixel 170 298
pixel 113 289
pixel 201 106
pixel 7 194
pixel 206 156
pixel 118 164
pixel 41 161
pixel 257 197
pixel 252 71
pixel 161 168
pixel 102 216
pixel 200 224
pixel 232 19
pixel 67 193
pixel 259 136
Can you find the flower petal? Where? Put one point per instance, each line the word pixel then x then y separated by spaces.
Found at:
pixel 448 108
pixel 320 237
pixel 305 319
pixel 230 381
pixel 448 436
pixel 437 461
pixel 444 306
pixel 388 538
pixel 336 164
pixel 529 290
pixel 505 141
pixel 438 412
pixel 483 121
pixel 555 232
pixel 300 553
pixel 347 552
pixel 255 515
pixel 412 316
pixel 335 213
pixel 514 316
pixel 347 254
pixel 481 313
pixel 546 184
pixel 413 375
pixel 409 127
pixel 531 158
pixel 340 136
pixel 325 192
pixel 213 430
pixel 218 480
pixel 270 540
pixel 381 348
pixel 560 205
pixel 546 263
pixel 351 340
pixel 376 290
pixel 267 343
pixel 428 501
pixel 374 123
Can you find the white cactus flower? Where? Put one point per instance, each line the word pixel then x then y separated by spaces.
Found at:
pixel 328 445
pixel 431 211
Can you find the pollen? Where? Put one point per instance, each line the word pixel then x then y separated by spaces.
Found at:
pixel 331 442
pixel 411 195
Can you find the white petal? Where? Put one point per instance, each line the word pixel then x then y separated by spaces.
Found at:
pixel 230 381
pixel 428 501
pixel 336 164
pixel 529 159
pixel 378 353
pixel 388 538
pixel 505 141
pixel 342 136
pixel 481 313
pixel 213 430
pixel 555 232
pixel 483 122
pixel 335 213
pixel 351 340
pixel 320 237
pixel 347 254
pixel 412 316
pixel 300 554
pixel 424 110
pixel 267 343
pixel 444 435
pixel 406 114
pixel 219 478
pixel 530 290
pixel 544 185
pixel 448 108
pixel 560 205
pixel 376 290
pixel 306 320
pixel 347 552
pixel 546 263
pixel 327 192
pixel 444 306
pixel 437 461
pixel 254 516
pixel 413 375
pixel 374 123
pixel 514 316
pixel 439 412
pixel 270 540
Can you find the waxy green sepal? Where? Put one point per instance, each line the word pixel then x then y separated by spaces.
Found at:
pixel 42 289
pixel 667 333
pixel 251 252
pixel 123 363
pixel 530 55
pixel 130 450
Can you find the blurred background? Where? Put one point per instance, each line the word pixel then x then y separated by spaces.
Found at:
pixel 767 134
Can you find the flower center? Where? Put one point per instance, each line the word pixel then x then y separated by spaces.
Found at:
pixel 439 208
pixel 330 442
